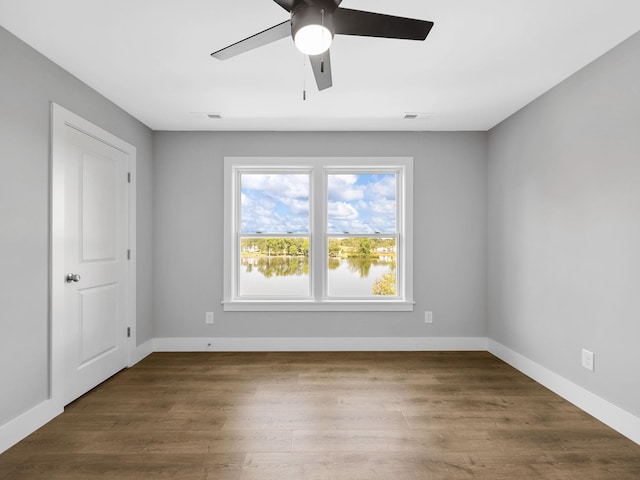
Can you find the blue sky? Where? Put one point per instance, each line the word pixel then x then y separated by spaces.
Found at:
pixel 275 203
pixel 361 203
pixel 279 203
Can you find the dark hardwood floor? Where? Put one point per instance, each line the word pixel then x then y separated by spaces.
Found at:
pixel 242 416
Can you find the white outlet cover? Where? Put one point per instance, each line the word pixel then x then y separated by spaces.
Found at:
pixel 588 359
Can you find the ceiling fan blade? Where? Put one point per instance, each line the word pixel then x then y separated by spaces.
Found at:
pixel 369 24
pixel 265 37
pixel 321 65
pixel 289 4
pixel 286 4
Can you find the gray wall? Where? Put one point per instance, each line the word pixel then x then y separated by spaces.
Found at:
pixel 564 228
pixel 28 82
pixel 449 224
pixel 559 231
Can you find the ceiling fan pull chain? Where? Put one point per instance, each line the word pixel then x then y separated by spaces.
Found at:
pixel 304 78
pixel 323 29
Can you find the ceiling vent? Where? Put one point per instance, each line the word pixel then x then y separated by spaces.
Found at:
pixel 417 116
pixel 211 115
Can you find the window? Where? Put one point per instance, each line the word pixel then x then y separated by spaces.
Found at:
pixel 362 234
pixel 274 236
pixel 318 234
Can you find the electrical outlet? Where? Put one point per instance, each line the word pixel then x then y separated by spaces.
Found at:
pixel 428 317
pixel 588 360
pixel 208 318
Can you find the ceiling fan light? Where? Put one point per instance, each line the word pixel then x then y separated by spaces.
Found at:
pixel 313 39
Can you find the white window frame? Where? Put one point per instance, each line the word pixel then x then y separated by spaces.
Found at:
pixel 238 235
pixel 319 167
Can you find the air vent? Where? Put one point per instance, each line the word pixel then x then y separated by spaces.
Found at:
pixel 211 115
pixel 417 116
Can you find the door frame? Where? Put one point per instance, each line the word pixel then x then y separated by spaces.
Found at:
pixel 61 119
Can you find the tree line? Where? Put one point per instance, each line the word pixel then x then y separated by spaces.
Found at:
pixel 276 246
pixel 338 247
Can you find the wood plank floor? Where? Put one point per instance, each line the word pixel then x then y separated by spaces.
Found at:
pixel 243 416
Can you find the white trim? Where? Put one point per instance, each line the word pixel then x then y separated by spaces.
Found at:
pixel 132 296
pixel 56 289
pixel 618 419
pixel 60 119
pixel 228 243
pixel 310 306
pixel 608 413
pixel 30 421
pixel 140 352
pixel 319 168
pixel 319 344
pixel 27 423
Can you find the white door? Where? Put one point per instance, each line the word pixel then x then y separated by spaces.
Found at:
pixel 95 261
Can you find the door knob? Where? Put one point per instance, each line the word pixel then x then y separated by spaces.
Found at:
pixel 73 277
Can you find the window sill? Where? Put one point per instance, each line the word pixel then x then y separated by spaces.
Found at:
pixel 326 306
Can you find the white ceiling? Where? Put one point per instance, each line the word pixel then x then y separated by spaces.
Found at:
pixel 483 60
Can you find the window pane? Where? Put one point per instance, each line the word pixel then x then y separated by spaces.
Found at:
pixel 362 267
pixel 361 203
pixel 274 203
pixel 274 267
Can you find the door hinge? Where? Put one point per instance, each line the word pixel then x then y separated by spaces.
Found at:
pixel 128 332
pixel 128 177
pixel 129 254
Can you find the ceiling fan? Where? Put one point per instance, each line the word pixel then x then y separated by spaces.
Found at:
pixel 314 23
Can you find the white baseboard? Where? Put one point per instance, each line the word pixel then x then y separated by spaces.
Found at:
pixel 618 419
pixel 141 351
pixel 31 420
pixel 27 423
pixel 611 415
pixel 319 344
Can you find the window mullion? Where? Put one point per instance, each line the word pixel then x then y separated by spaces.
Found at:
pixel 318 229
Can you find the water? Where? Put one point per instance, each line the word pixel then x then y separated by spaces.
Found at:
pixel 269 276
pixel 289 276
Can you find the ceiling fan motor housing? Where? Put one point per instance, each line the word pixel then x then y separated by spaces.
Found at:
pixel 313 12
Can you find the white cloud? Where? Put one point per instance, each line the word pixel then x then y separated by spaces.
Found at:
pixel 385 188
pixel 343 187
pixel 281 185
pixel 275 203
pixel 383 206
pixel 383 224
pixel 279 203
pixel 296 206
pixel 348 226
pixel 342 211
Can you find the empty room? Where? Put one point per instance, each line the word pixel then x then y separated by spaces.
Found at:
pixel 319 239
